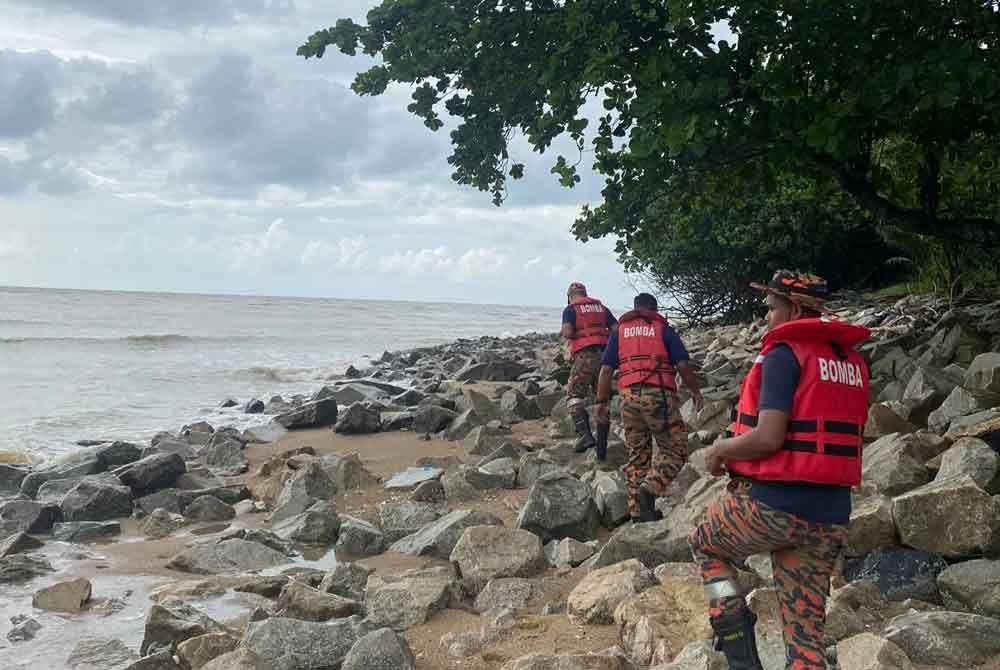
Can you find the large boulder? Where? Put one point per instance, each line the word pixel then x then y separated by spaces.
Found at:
pixel 595 598
pixel 224 454
pixel 400 519
pixel 409 599
pixel 952 517
pixel 568 552
pixel 658 623
pixel 315 414
pixel 513 593
pixel 486 439
pixel 151 473
pixel 649 543
pixel 945 639
pixel 496 474
pixel 973 457
pixel 479 403
pixel 99 653
pixel 871 652
pixel 558 506
pixel 516 405
pixel 983 375
pixel 699 655
pixel 463 424
pixel 926 390
pixel 299 601
pixel 28 516
pixel 383 649
pixel 432 418
pixel 239 659
pixel 227 557
pixel 18 543
pixel 972 586
pixel 960 402
pixel 69 596
pixel 348 472
pixel 347 580
pixel 209 508
pixel 438 538
pixel 499 370
pixel 883 420
pixel 854 608
pixel 11 477
pixel 359 538
pixel 173 621
pixel 291 644
pixel 610 493
pixel 198 652
pixel 319 525
pixel 21 568
pixel 359 419
pixel 899 573
pixel 871 526
pixel 309 485
pixel 76 465
pixel 488 552
pixel 892 467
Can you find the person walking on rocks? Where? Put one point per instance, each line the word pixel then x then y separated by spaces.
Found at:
pixel 648 354
pixel 794 454
pixel 586 324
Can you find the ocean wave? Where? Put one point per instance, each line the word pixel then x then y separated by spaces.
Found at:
pixel 294 375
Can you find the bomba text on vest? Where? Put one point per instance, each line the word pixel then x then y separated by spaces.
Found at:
pixel 840 372
pixel 590 308
pixel 639 331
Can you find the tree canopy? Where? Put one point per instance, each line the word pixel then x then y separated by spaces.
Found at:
pixel 889 108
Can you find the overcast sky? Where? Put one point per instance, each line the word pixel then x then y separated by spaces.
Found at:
pixel 182 146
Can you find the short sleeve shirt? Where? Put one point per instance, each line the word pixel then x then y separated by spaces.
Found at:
pixel 569 316
pixel 671 340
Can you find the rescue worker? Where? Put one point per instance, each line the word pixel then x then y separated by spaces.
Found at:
pixel 794 455
pixel 648 354
pixel 586 324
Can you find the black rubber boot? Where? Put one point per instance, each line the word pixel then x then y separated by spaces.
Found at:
pixel 735 637
pixel 647 506
pixel 603 429
pixel 582 424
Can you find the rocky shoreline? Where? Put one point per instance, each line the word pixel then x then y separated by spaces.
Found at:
pixel 430 512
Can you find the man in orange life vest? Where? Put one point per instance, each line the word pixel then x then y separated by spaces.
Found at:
pixel 793 458
pixel 586 324
pixel 647 352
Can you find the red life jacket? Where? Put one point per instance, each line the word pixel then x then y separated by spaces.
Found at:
pixel 823 443
pixel 642 356
pixel 591 324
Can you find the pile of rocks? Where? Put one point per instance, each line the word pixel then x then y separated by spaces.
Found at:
pixel 917 585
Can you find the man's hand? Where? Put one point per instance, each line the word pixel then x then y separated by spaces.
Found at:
pixel 715 463
pixel 601 413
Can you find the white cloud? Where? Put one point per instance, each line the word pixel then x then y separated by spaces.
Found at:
pixel 348 252
pixel 423 261
pixel 250 250
pixel 481 262
pixel 534 262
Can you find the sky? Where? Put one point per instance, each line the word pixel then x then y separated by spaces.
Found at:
pixel 183 146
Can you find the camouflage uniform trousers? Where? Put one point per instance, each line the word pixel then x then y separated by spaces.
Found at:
pixel 804 556
pixel 647 419
pixel 585 365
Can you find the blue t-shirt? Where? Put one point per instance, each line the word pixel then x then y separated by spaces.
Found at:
pixel 569 316
pixel 671 340
pixel 813 502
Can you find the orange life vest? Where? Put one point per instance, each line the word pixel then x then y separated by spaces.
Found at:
pixel 824 439
pixel 642 356
pixel 591 324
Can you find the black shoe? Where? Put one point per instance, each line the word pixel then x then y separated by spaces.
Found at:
pixel 586 441
pixel 735 637
pixel 646 502
pixel 603 429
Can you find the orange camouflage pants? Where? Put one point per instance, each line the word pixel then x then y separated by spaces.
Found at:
pixel 647 420
pixel 803 556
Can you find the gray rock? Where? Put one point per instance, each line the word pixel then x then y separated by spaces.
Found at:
pixel 314 414
pixel 348 472
pixel 891 466
pixel 438 538
pixel 299 601
pixel 983 375
pixel 970 456
pixel 306 487
pixel 66 596
pixel 171 622
pixel 533 466
pixel 383 649
pixel 227 557
pixel 290 644
pixel 496 474
pixel 610 495
pixel 170 446
pixel 18 543
pixel 972 586
pixel 80 464
pixel 358 419
pixel 412 477
pixel 254 406
pixel 499 370
pixel 409 599
pixel 209 508
pixel 899 573
pixel 871 652
pixel 199 651
pixel 883 420
pixel 871 526
pixel 568 552
pixel 701 655
pixel 85 531
pixel 559 506
pixel 347 580
pixel 28 516
pixel 152 473
pixel 319 525
pixel 395 421
pixel 949 639
pixel 359 538
pixel 595 598
pixel 855 608
pixel 952 517
pixel 516 405
pixel 488 552
pixel 647 542
pixel 100 654
pixel 959 403
pixel 486 439
pixel 463 424
pixel 457 487
pixel 510 449
pixel 94 500
pixel 925 392
pixel 170 500
pixel 511 592
pixel 432 419
pixel 53 491
pixel 400 519
pixel 225 455
pixel 428 492
pixel 161 524
pixel 409 398
pixel 11 477
pixel 240 659
pixel 25 628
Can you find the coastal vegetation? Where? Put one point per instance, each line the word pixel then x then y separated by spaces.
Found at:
pixel 855 138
